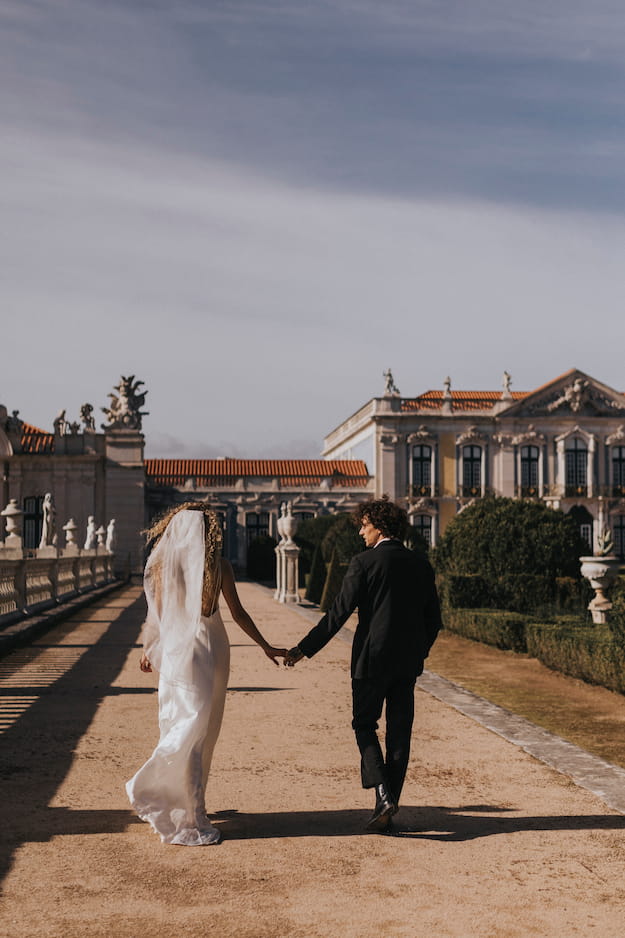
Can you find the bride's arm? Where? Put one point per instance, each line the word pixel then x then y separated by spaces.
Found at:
pixel 241 616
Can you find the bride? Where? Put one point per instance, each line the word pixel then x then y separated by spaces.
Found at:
pixel 184 639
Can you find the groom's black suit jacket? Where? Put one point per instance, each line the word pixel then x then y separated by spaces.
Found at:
pixel 398 612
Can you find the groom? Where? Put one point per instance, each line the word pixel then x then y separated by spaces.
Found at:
pixel 398 620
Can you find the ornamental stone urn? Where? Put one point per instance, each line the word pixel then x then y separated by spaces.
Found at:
pixel 13 515
pixel 600 573
pixel 289 524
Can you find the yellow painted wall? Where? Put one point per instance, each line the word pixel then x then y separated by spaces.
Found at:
pixel 447 456
pixel 447 480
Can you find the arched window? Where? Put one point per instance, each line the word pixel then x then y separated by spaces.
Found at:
pixel 529 470
pixel 576 479
pixel 618 470
pixel 423 524
pixel 584 520
pixel 618 533
pixel 471 471
pixel 421 470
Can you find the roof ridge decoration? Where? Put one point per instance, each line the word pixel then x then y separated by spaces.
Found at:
pixel 574 393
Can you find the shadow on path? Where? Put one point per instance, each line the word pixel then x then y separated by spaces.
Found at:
pixel 37 750
pixel 429 823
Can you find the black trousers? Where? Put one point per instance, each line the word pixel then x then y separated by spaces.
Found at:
pixel 368 698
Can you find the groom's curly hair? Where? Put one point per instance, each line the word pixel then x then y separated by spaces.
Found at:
pixel 385 515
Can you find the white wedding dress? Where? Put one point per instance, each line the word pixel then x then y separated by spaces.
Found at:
pixel 192 654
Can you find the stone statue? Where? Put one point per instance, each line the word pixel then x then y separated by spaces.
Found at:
pixel 86 415
pixel 48 527
pixel 90 539
pixel 111 536
pixel 125 411
pixel 390 386
pixel 60 423
pixel 447 386
pixel 13 423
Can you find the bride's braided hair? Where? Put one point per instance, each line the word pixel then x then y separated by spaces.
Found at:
pixel 212 549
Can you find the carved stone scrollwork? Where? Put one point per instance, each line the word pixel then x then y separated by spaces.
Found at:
pixel 503 439
pixel 529 436
pixel 617 437
pixel 391 439
pixel 472 435
pixel 578 397
pixel 423 505
pixel 421 435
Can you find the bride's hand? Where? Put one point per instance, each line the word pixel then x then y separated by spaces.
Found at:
pixel 274 653
pixel 144 663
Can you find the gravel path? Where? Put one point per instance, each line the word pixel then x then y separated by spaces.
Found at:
pixel 493 842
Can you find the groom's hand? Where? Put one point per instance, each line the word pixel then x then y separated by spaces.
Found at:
pixel 292 656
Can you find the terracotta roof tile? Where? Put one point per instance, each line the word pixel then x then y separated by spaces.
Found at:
pixel 290 472
pixel 460 400
pixel 36 441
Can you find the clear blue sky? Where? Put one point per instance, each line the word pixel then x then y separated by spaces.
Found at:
pixel 257 207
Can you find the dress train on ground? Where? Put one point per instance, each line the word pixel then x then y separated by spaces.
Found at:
pixel 169 790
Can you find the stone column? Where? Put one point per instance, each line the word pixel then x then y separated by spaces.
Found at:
pixel 590 467
pixel 560 467
pixel 124 496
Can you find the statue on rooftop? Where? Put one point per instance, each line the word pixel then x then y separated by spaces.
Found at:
pixel 86 415
pixel 390 386
pixel 125 411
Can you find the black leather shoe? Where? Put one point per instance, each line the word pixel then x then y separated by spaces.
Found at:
pixel 385 808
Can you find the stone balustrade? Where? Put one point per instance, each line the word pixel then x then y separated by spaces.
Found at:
pixel 33 580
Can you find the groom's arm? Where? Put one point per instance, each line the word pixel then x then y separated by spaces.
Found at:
pixel 335 618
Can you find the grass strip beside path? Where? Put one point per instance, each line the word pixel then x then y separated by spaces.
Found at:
pixel 588 716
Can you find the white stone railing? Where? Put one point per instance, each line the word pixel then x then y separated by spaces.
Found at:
pixel 32 583
pixel 33 580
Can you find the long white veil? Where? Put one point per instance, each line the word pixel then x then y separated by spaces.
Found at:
pixel 172 581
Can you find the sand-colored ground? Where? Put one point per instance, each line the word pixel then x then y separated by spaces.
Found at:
pixel 494 843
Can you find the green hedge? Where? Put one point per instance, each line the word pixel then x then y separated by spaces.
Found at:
pixel 616 616
pixel 491 626
pixel 524 592
pixel 579 650
pixel 464 592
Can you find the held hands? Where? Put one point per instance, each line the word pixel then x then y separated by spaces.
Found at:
pixel 292 656
pixel 274 653
pixel 144 663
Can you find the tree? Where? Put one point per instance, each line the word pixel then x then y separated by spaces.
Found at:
pixel 342 537
pixel 309 536
pixel 334 580
pixel 317 577
pixel 497 537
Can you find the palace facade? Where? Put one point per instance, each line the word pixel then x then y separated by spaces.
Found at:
pixel 562 443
